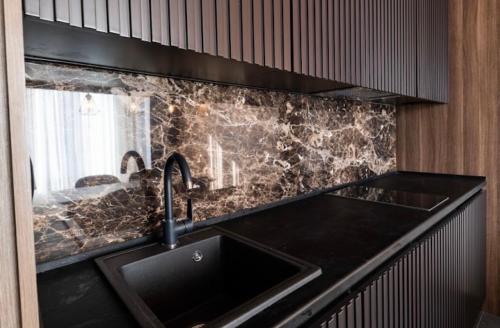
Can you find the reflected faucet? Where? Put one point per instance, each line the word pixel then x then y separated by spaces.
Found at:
pixel 171 228
pixel 138 160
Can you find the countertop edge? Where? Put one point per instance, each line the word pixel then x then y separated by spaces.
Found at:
pixel 315 306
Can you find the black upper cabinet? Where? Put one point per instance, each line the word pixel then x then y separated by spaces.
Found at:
pixel 395 46
pixel 432 50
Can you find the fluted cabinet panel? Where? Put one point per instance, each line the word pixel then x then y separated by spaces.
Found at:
pixel 438 282
pixel 396 46
pixel 432 50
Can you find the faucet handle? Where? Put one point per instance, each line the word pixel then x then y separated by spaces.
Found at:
pixel 190 209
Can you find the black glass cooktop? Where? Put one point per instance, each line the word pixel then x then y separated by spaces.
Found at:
pixel 394 197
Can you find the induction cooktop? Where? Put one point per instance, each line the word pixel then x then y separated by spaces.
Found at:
pixel 414 200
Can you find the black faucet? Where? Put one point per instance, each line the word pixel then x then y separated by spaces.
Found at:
pixel 171 228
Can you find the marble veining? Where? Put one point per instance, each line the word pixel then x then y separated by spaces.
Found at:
pixel 246 148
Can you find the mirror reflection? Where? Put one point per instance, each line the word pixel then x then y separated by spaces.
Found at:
pixel 86 141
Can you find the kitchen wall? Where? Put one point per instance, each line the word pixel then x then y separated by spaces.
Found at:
pixel 99 140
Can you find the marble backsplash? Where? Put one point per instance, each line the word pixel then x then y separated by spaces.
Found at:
pixel 246 148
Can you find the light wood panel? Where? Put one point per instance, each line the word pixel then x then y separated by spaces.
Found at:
pixel 463 136
pixel 18 297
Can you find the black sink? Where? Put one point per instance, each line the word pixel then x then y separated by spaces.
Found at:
pixel 214 278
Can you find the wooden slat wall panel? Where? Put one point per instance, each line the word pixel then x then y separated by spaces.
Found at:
pixel 62 10
pixel 113 15
pixel 360 42
pixel 268 33
pixel 324 38
pixel 47 10
pixel 209 27
pixel 331 40
pixel 75 13
pixel 311 37
pixel 337 39
pixel 342 76
pixel 146 20
pixel 32 7
pixel 124 8
pixel 136 18
pixel 358 16
pixel 363 19
pixel 347 40
pixel 278 33
pixel 372 51
pixel 379 69
pixel 156 21
pixel 89 12
pixel 178 28
pixel 287 35
pixel 101 15
pixel 193 22
pixel 296 36
pixel 235 29
pixel 164 23
pixel 421 286
pixel 354 31
pixel 304 37
pixel 247 30
pixel 317 38
pixel 258 31
pixel 174 22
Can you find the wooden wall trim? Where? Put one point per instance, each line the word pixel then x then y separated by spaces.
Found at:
pixel 463 137
pixel 18 299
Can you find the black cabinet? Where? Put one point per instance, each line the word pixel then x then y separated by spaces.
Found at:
pixel 437 282
pixel 395 46
pixel 432 50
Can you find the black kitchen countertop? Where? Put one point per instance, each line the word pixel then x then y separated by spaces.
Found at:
pixel 347 238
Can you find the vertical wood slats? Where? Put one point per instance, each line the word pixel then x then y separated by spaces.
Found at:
pixel 296 36
pixel 32 7
pixel 235 31
pixel 209 27
pixel 287 35
pixel 432 49
pixel 268 33
pixel 258 31
pixel 438 282
pixel 178 28
pixel 278 33
pixel 89 14
pixel 194 28
pixel 141 20
pixel 311 37
pixel 304 44
pixel 247 30
pixel 324 39
pixel 370 43
pixel 331 40
pixel 317 39
pixel 118 17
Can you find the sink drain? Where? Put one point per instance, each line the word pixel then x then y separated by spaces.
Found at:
pixel 197 256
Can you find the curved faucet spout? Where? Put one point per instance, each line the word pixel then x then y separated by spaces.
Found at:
pixel 183 166
pixel 171 228
pixel 138 160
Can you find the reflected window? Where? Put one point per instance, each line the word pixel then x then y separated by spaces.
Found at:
pixel 78 139
pixel 224 173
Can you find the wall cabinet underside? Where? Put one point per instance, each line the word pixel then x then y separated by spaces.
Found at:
pixel 394 46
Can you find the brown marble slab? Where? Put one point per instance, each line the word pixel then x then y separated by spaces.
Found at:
pixel 246 148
